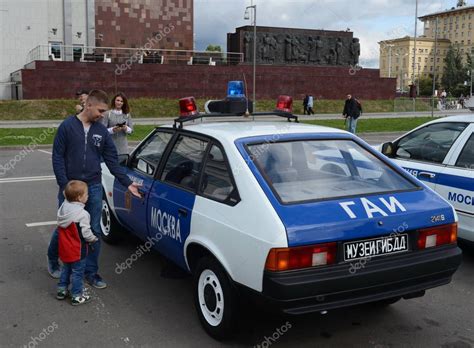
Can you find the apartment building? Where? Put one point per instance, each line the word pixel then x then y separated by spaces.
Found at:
pixel 456 25
pixel 397 59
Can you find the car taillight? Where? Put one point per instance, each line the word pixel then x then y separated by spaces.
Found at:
pixel 284 103
pixel 187 107
pixel 436 236
pixel 284 259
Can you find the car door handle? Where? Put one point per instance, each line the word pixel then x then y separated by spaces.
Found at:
pixel 427 175
pixel 182 212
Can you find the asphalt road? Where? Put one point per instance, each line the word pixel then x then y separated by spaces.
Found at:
pixel 141 307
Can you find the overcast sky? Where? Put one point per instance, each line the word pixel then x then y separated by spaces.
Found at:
pixel 370 20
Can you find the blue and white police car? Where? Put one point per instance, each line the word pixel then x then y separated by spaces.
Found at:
pixel 441 154
pixel 304 218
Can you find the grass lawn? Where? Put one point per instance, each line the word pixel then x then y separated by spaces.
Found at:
pixel 51 109
pixel 44 136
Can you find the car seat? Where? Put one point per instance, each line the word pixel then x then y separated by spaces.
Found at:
pixel 278 165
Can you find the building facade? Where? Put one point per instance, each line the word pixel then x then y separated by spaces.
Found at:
pixel 66 29
pixel 456 25
pixel 397 59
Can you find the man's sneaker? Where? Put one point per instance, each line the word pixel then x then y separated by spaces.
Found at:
pixel 97 282
pixel 78 300
pixel 62 294
pixel 54 269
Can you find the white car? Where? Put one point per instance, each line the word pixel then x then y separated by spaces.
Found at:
pixel 441 154
pixel 303 218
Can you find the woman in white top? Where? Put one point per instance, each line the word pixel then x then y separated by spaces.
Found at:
pixel 119 122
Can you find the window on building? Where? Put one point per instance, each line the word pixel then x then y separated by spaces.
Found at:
pixel 419 59
pixel 426 59
pixel 437 59
pixel 55 49
pixel 431 68
pixel 77 52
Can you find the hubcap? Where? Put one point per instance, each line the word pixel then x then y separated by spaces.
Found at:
pixel 105 219
pixel 211 297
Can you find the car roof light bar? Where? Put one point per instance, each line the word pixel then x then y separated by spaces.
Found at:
pixel 178 122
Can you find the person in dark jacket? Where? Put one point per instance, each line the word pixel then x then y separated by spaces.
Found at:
pixel 79 146
pixel 75 235
pixel 305 104
pixel 352 111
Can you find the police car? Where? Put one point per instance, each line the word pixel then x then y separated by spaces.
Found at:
pixel 441 154
pixel 301 218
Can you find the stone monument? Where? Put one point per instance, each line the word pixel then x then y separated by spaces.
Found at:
pixel 284 46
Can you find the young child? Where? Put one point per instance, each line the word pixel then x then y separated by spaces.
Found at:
pixel 74 231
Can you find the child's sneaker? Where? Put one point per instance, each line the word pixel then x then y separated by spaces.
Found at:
pixel 62 294
pixel 78 300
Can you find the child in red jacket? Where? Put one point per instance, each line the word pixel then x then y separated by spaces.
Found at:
pixel 74 235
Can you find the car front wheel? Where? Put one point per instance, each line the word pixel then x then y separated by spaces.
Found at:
pixel 214 298
pixel 109 225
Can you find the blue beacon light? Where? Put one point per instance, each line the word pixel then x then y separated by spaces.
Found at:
pixel 235 89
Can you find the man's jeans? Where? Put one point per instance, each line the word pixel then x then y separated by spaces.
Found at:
pixel 94 207
pixel 74 271
pixel 351 126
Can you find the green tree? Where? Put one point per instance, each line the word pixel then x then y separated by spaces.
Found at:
pixel 426 85
pixel 214 48
pixel 454 73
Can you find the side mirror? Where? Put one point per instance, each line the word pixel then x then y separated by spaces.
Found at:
pixel 388 149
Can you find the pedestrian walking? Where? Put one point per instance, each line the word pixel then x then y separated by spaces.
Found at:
pixel 352 111
pixel 310 105
pixel 81 143
pixel 305 104
pixel 118 122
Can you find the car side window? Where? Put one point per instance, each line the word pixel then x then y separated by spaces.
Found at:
pixel 185 161
pixel 466 157
pixel 430 143
pixel 148 156
pixel 217 181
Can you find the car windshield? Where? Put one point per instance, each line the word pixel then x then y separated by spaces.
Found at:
pixel 308 170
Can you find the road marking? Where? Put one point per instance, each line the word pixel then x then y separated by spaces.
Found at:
pixel 44 223
pixel 27 179
pixel 44 151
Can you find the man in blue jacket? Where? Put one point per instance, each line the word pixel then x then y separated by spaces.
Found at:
pixel 80 144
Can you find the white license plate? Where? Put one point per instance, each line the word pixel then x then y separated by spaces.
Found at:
pixel 375 247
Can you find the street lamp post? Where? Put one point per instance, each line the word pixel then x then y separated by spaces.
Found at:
pixel 247 17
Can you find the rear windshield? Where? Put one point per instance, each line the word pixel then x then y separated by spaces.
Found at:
pixel 307 170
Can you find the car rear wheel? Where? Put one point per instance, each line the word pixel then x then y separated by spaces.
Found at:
pixel 110 228
pixel 215 298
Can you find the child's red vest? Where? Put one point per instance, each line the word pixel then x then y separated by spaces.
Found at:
pixel 72 246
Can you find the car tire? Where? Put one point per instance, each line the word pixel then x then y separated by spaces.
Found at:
pixel 111 231
pixel 386 302
pixel 215 299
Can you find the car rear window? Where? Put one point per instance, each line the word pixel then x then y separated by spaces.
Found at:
pixel 308 170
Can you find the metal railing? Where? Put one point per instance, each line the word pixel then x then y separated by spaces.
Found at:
pixel 424 104
pixel 128 56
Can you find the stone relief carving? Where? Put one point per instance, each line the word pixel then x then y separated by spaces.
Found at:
pixel 302 49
